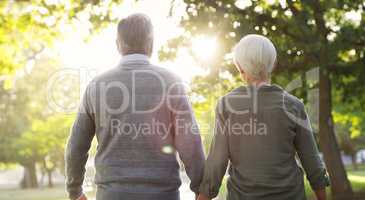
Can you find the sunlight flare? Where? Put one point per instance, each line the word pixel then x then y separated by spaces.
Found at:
pixel 204 47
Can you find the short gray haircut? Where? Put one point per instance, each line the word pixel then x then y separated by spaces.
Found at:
pixel 135 35
pixel 256 56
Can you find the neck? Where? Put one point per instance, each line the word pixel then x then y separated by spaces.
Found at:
pixel 137 53
pixel 256 82
pixel 259 83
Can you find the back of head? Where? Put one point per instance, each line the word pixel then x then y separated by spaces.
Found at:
pixel 135 35
pixel 255 55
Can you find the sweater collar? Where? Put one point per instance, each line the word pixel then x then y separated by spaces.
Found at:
pixel 135 59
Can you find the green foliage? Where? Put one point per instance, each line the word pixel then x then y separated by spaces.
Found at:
pixel 307 34
pixel 27 27
pixel 352 122
pixel 205 96
pixel 30 130
pixel 350 130
pixel 46 140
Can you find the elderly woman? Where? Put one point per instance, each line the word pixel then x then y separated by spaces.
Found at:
pixel 259 130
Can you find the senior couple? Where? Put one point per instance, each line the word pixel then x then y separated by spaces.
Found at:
pixel 134 163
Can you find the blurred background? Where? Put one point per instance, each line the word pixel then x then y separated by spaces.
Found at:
pixel 51 49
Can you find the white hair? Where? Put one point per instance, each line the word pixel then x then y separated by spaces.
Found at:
pixel 255 55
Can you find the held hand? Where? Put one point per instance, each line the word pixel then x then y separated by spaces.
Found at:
pixel 202 197
pixel 321 194
pixel 83 197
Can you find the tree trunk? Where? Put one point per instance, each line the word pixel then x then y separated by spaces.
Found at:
pixel 354 162
pixel 29 177
pixel 43 174
pixel 340 186
pixel 50 180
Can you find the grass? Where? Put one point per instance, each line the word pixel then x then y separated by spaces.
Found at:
pixel 56 193
pixel 357 178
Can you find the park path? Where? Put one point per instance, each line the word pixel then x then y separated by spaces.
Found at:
pixel 185 192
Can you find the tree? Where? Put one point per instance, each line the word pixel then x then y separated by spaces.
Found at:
pixel 350 133
pixel 27 28
pixel 307 34
pixel 32 133
pixel 50 135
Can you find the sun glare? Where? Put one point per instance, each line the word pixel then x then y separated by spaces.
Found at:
pixel 204 47
pixel 99 52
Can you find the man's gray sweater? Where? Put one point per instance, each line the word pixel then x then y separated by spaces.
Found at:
pixel 141 117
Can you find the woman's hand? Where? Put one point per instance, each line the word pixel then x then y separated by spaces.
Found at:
pixel 202 197
pixel 82 197
pixel 321 194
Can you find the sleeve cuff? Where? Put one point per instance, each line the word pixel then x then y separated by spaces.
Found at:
pixel 321 183
pixel 75 195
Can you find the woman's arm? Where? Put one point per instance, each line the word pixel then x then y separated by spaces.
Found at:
pixel 217 161
pixel 202 197
pixel 308 153
pixel 187 138
pixel 321 194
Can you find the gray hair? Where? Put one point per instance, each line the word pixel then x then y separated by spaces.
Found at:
pixel 135 35
pixel 256 56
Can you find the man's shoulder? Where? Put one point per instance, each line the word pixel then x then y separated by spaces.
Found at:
pixel 117 73
pixel 164 71
pixel 107 75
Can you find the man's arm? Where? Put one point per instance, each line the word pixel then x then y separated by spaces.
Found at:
pixel 309 156
pixel 187 138
pixel 78 145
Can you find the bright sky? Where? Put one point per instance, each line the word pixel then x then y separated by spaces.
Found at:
pixel 100 51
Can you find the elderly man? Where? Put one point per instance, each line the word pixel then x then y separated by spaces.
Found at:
pixel 259 130
pixel 140 116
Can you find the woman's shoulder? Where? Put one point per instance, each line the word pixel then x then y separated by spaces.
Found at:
pixel 236 99
pixel 292 99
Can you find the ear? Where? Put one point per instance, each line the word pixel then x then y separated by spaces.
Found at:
pixel 240 70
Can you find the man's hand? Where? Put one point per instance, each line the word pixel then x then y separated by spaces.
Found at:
pixel 82 197
pixel 202 197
